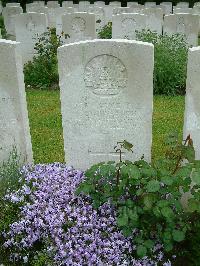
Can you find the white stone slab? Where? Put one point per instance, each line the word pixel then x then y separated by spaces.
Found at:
pixel 197 4
pixel 108 13
pixel 13 4
pixel 8 13
pixel 66 10
pixel 186 24
pixel 106 97
pixel 150 4
pixel 99 16
pixel 192 99
pixel 14 125
pixel 79 26
pixel 99 3
pixel 39 3
pixel 67 4
pixel 182 4
pixel 186 10
pixel 28 28
pixel 34 7
pixel 154 19
pixel 115 3
pixel 132 4
pixel 121 10
pixel 125 25
pixel 83 6
pixel 167 7
pixel 53 4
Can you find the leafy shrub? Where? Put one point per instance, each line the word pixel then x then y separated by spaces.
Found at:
pixel 2 27
pixel 147 198
pixel 170 62
pixel 106 32
pixel 42 72
pixel 57 227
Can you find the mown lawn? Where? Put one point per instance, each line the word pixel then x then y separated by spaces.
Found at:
pixel 46 124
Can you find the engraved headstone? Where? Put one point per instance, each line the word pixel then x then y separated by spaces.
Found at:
pixel 115 3
pixel 13 4
pixel 196 4
pixel 154 19
pixel 185 24
pixel 106 97
pixel 99 16
pixel 14 125
pixel 65 10
pixel 124 26
pixel 192 99
pixel 150 4
pixel 34 7
pixel 99 3
pixel 39 3
pixel 78 26
pixel 186 10
pixel 132 4
pixel 9 13
pixel 28 28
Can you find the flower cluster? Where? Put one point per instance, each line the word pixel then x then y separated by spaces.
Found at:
pixel 66 225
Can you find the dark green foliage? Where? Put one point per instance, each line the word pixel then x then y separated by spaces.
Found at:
pixel 42 72
pixel 147 197
pixel 106 32
pixel 170 53
pixel 2 27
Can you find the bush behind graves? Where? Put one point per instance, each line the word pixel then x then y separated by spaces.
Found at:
pixel 170 64
pixel 42 72
pixel 2 27
pixel 106 32
pixel 147 197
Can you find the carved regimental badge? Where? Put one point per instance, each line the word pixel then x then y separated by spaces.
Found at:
pixel 105 75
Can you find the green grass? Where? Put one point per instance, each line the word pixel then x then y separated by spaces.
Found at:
pixel 46 125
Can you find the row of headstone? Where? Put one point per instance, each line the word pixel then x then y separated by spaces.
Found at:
pixel 106 96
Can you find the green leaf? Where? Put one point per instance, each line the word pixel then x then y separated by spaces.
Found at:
pixel 134 172
pixel 153 186
pixel 148 201
pixel 167 180
pixel 178 235
pixel 193 205
pixel 167 212
pixel 149 243
pixel 189 153
pixel 141 251
pixel 127 145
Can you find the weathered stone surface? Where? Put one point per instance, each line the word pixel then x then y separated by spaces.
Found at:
pixel 8 13
pixel 132 4
pixel 99 3
pixel 150 4
pixel 182 4
pixel 65 10
pixel 53 4
pixel 12 4
pixel 186 24
pixel 99 16
pixel 186 10
pixel 83 6
pixel 14 126
pixel 28 28
pixel 78 26
pixel 125 25
pixel 192 99
pixel 34 7
pixel 106 96
pixel 115 3
pixel 67 4
pixel 120 10
pixel 154 19
pixel 166 7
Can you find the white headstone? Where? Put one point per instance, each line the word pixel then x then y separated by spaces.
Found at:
pixel 150 4
pixel 115 3
pixel 53 4
pixel 178 10
pixel 108 9
pixel 39 3
pixel 182 4
pixel 120 10
pixel 78 26
pixel 192 100
pixel 9 13
pixel 106 97
pixel 66 10
pixel 186 24
pixel 14 125
pixel 197 4
pixel 132 4
pixel 154 19
pixel 99 16
pixel 34 7
pixel 124 26
pixel 99 3
pixel 67 4
pixel 167 7
pixel 28 28
pixel 13 4
pixel 83 6
pixel 54 15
